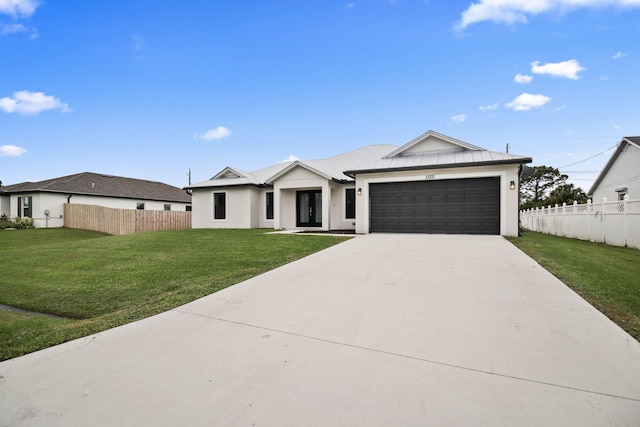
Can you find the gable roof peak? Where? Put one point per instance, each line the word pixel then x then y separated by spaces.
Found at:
pixel 432 142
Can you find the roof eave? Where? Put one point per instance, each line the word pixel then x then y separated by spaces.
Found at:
pixel 610 163
pixel 524 160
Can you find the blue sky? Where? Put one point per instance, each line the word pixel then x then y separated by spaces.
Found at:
pixel 151 89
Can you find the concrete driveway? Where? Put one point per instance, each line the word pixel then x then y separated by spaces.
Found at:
pixel 382 330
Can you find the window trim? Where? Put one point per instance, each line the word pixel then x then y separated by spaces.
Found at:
pixel 345 212
pixel 266 205
pixel 213 206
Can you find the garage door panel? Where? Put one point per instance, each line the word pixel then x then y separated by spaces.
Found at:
pixel 460 206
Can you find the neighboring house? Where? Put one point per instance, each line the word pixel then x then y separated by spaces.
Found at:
pixel 621 174
pixel 433 184
pixel 43 201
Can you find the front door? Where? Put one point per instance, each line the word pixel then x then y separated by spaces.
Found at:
pixel 309 208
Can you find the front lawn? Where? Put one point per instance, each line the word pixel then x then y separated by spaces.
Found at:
pixel 96 282
pixel 606 276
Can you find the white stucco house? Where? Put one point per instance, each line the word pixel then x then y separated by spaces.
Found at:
pixel 44 200
pixel 621 175
pixel 432 184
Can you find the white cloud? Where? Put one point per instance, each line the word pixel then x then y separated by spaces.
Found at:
pixel 7 29
pixel 517 11
pixel 351 5
pixel 619 55
pixel 15 8
pixel 138 42
pixel 527 101
pixel 291 158
pixel 489 107
pixel 213 134
pixel 458 118
pixel 521 78
pixel 11 150
pixel 27 103
pixel 568 69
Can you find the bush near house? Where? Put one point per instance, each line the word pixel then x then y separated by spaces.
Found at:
pixel 20 223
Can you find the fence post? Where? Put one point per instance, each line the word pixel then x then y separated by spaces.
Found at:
pixel 589 212
pixel 625 206
pixel 575 210
pixel 604 220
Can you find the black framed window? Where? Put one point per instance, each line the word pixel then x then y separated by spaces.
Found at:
pixel 269 204
pixel 167 206
pixel 350 203
pixel 188 208
pixel 140 206
pixel 24 207
pixel 219 205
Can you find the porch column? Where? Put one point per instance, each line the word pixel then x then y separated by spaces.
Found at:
pixel 326 206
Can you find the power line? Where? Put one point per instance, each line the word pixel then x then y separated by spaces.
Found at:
pixel 589 158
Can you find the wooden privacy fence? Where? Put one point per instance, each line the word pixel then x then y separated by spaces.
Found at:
pixel 123 221
pixel 615 223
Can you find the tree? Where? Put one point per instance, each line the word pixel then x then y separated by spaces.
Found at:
pixel 567 193
pixel 536 186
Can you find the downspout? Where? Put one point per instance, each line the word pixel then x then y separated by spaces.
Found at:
pixel 69 198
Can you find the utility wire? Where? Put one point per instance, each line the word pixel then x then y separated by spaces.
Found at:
pixel 589 158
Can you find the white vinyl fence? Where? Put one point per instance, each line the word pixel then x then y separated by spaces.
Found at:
pixel 614 223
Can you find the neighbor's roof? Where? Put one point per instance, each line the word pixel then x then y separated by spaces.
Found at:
pixel 95 184
pixel 331 168
pixel 627 140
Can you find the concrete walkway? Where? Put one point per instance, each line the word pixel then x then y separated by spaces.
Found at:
pixel 382 330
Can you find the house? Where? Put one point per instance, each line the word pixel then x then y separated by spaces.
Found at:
pixel 620 176
pixel 43 201
pixel 432 184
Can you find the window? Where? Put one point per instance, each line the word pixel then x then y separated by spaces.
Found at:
pixel 350 203
pixel 269 204
pixel 140 206
pixel 167 206
pixel 188 209
pixel 219 205
pixel 24 207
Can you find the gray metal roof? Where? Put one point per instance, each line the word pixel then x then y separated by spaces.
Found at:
pixel 428 151
pixel 441 159
pixel 95 184
pixel 331 168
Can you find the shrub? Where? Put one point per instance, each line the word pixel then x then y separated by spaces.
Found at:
pixel 21 223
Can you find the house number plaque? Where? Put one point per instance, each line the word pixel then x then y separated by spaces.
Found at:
pixel 430 177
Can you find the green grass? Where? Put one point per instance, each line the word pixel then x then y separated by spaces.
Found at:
pixel 97 282
pixel 606 276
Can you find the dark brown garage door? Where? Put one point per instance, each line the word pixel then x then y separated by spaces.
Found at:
pixel 454 206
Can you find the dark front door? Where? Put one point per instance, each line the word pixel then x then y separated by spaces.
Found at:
pixel 309 208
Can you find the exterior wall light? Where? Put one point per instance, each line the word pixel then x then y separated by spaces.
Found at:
pixel 512 185
pixel 359 191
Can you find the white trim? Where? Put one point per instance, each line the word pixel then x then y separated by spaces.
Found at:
pixel 438 176
pixel 344 204
pixel 273 203
pixel 213 206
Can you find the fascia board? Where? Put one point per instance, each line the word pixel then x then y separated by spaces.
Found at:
pixel 294 165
